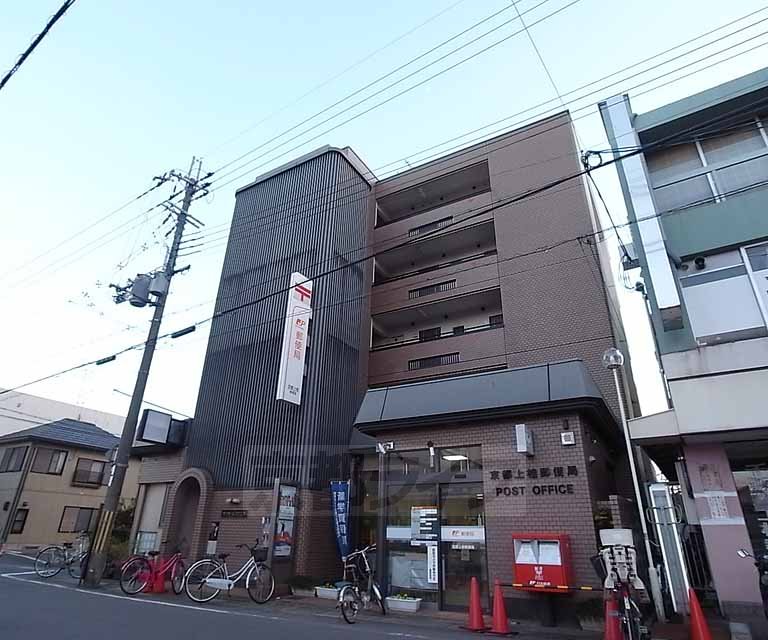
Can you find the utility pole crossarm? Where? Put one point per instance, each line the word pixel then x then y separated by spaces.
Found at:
pixel 100 544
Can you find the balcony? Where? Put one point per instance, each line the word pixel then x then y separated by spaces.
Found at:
pixel 455 334
pixel 436 252
pixel 435 193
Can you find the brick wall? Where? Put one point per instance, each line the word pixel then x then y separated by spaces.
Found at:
pixel 161 468
pixel 316 552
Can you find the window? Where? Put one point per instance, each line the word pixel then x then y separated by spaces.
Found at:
pixel 90 472
pixel 496 321
pixel 49 461
pixel 19 521
pixel 461 459
pixel 458 331
pixel 433 361
pixel 429 334
pixel 146 541
pixel 408 462
pixel 77 519
pixel 12 460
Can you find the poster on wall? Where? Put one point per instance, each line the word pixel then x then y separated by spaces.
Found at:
pixel 424 525
pixel 297 316
pixel 286 514
pixel 432 563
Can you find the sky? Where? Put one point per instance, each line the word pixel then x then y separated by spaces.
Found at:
pixel 121 92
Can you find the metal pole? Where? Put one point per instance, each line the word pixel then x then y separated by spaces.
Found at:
pixel 653 576
pixel 98 557
pixel 381 525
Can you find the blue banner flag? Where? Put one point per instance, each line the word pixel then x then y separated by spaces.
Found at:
pixel 340 504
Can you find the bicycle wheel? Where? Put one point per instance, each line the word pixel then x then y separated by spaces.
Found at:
pixel 135 576
pixel 77 565
pixel 377 598
pixel 196 583
pixel 260 583
pixel 49 561
pixel 177 576
pixel 350 604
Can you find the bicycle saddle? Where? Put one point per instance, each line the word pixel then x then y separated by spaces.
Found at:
pixel 67 545
pixel 223 556
pixel 152 554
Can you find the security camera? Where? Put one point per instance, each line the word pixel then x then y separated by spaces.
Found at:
pixel 700 262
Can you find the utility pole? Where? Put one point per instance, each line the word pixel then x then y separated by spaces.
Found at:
pixel 100 544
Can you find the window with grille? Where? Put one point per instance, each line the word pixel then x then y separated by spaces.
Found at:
pixel 17 526
pixel 430 226
pixel 89 472
pixel 433 361
pixel 458 331
pixel 49 461
pixel 496 321
pixel 77 519
pixel 432 289
pixel 429 334
pixel 12 459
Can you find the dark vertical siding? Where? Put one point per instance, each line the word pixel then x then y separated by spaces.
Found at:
pixel 309 218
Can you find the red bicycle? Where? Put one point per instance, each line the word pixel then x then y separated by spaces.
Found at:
pixel 138 572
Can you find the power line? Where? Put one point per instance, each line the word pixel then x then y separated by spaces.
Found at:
pixel 508 202
pixel 392 97
pixel 339 74
pixel 383 77
pixel 38 39
pixel 570 92
pixel 591 106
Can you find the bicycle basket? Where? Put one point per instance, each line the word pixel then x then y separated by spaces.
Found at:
pixel 260 554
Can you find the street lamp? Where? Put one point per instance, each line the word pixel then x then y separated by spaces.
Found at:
pixel 613 359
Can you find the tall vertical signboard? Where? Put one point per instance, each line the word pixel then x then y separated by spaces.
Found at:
pixel 286 516
pixel 340 505
pixel 298 314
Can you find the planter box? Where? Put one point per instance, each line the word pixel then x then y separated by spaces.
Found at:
pixel 327 593
pixel 399 604
pixel 305 593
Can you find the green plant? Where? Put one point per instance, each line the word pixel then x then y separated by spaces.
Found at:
pixel 303 582
pixel 403 596
pixel 328 585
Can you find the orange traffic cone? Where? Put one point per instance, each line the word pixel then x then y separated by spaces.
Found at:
pixel 699 627
pixel 500 622
pixel 475 620
pixel 612 621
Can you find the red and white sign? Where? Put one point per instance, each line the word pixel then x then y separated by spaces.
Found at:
pixel 298 314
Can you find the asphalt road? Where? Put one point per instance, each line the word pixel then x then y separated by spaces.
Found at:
pixel 31 608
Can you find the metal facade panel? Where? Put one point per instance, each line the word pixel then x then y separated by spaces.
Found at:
pixel 310 218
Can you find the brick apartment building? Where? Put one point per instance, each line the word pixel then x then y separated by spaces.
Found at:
pixel 477 315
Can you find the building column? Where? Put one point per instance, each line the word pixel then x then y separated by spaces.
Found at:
pixel 724 530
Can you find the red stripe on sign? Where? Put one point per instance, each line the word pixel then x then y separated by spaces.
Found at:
pixel 303 290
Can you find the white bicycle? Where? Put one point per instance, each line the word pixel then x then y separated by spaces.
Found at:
pixel 206 578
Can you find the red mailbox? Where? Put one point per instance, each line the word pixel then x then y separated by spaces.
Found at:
pixel 542 561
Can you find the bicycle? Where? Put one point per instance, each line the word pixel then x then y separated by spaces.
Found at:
pixel 352 597
pixel 50 560
pixel 206 578
pixel 138 572
pixel 620 580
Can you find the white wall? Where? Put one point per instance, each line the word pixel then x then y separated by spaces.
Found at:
pixel 21 411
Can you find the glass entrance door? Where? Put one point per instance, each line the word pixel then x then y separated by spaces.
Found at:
pixel 462 520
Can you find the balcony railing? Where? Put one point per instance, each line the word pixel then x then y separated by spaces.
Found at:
pixel 458 331
pixel 436 267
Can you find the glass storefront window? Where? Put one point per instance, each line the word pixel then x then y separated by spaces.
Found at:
pixel 461 459
pixel 409 462
pixel 369 507
pixel 408 563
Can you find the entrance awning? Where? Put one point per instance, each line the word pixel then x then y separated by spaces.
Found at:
pixel 541 388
